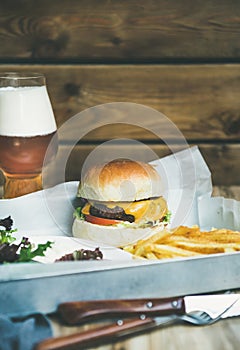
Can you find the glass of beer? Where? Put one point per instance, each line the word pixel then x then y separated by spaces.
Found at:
pixel 27 125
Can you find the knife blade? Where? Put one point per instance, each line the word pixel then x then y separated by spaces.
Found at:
pixel 77 312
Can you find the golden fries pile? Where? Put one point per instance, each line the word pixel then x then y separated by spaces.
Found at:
pixel 185 242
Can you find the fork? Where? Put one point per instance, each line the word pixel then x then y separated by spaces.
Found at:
pixel 122 329
pixel 201 318
pixel 198 318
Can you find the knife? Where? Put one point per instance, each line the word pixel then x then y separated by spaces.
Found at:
pixel 215 305
pixel 77 312
pixel 119 331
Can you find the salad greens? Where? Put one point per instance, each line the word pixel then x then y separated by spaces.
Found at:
pixel 22 252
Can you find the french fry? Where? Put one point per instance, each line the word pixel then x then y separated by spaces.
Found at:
pixel 151 256
pixel 185 241
pixel 161 249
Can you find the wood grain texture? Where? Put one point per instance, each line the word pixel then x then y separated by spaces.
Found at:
pixel 119 30
pixel 227 192
pixel 201 100
pixel 222 160
pixel 68 37
pixel 223 335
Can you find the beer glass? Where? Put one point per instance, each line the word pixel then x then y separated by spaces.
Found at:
pixel 27 125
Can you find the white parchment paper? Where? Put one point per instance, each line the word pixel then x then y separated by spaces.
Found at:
pixel 218 212
pixel 48 212
pixel 186 177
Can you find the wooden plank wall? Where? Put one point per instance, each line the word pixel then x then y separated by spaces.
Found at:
pixel 180 57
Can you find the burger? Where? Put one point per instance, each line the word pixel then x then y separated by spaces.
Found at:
pixel 119 203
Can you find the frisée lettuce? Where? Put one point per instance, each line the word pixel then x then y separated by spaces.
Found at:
pixel 21 252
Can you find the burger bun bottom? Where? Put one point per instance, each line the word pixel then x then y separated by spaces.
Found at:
pixel 116 236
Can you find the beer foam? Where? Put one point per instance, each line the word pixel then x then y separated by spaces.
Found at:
pixel 26 111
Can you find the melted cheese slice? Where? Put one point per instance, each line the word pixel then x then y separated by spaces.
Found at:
pixel 143 211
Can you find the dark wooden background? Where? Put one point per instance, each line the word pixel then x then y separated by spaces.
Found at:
pixel 181 57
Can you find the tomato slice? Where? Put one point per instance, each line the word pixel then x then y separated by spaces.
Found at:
pixel 101 221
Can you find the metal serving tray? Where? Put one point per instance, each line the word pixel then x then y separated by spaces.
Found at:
pixel 33 287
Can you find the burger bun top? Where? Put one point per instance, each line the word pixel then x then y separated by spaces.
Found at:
pixel 121 180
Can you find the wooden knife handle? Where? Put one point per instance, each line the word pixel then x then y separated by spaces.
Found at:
pixel 97 336
pixel 78 312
